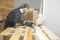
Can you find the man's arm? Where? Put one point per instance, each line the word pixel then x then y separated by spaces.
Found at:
pixel 28 23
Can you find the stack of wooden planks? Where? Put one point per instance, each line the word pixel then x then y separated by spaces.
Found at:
pixel 41 34
pixel 5 7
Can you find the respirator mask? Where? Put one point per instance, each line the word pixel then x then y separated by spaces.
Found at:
pixel 23 12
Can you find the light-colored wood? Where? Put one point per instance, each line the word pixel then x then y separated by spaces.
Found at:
pixel 35 14
pixel 28 34
pixel 16 34
pixel 6 31
pixel 6 3
pixel 39 34
pixel 4 11
pixel 50 34
pixel 6 8
pixel 43 36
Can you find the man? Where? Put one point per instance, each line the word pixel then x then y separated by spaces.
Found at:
pixel 15 16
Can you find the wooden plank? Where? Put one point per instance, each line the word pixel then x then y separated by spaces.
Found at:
pixel 28 34
pixel 42 36
pixel 39 34
pixel 29 16
pixel 4 11
pixel 50 34
pixel 7 3
pixel 16 34
pixel 6 31
pixel 35 14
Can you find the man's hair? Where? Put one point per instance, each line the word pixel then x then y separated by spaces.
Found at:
pixel 24 5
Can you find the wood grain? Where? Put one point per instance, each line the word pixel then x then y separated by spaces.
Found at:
pixel 28 34
pixel 16 34
pixel 6 31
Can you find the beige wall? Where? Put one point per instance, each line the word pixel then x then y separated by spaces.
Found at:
pixel 33 3
pixel 52 15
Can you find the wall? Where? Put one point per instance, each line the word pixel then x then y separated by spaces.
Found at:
pixel 32 3
pixel 51 11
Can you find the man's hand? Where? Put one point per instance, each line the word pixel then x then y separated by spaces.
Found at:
pixel 29 23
